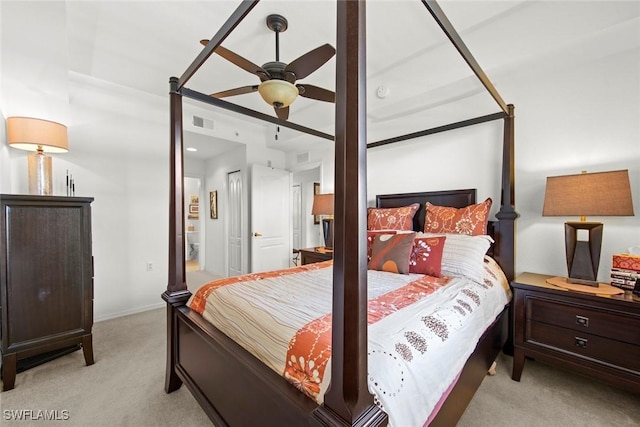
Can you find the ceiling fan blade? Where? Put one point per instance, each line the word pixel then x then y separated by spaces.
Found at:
pixel 241 62
pixel 315 92
pixel 310 61
pixel 237 91
pixel 282 113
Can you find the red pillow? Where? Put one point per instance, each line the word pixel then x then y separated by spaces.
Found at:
pixel 471 220
pixel 391 218
pixel 370 236
pixel 426 256
pixel 391 252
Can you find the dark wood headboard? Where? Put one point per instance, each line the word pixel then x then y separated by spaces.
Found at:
pixel 453 198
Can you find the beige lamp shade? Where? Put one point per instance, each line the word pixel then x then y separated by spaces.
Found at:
pixel 322 204
pixel 278 93
pixel 589 194
pixel 28 134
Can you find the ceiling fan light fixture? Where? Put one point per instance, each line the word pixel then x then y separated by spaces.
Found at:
pixel 278 93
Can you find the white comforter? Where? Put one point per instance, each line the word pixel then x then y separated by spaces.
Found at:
pixel 415 353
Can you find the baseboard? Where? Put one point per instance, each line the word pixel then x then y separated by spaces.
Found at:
pixel 136 310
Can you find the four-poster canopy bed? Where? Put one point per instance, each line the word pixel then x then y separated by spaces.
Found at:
pixel 230 383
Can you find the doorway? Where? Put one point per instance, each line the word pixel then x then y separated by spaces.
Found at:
pixel 305 231
pixel 270 215
pixel 234 240
pixel 193 225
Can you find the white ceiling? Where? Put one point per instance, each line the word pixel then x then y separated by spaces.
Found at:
pixel 141 44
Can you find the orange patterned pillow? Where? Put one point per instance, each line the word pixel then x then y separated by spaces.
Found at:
pixel 391 218
pixel 470 220
pixel 371 235
pixel 391 252
pixel 426 256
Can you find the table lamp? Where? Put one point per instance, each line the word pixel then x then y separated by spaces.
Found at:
pixel 37 135
pixel 593 194
pixel 323 205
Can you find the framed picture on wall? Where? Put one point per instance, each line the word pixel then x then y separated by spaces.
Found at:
pixel 316 190
pixel 194 211
pixel 213 201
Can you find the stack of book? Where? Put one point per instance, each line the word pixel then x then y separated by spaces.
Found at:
pixel 625 271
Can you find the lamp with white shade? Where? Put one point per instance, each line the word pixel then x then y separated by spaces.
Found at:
pixel 41 136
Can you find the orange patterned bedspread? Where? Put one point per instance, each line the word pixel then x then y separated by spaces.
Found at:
pixel 421 329
pixel 310 349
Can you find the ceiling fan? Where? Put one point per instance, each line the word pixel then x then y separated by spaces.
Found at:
pixel 278 80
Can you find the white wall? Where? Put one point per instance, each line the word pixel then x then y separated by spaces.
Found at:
pixel 322 157
pixel 119 154
pixel 582 117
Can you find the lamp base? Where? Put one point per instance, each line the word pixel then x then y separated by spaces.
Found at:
pixel 327 230
pixel 583 256
pixel 593 283
pixel 39 168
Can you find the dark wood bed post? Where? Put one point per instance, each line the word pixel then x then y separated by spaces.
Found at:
pixel 348 401
pixel 176 294
pixel 507 214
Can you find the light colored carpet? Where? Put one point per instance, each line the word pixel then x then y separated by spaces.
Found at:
pixel 125 387
pixel 548 397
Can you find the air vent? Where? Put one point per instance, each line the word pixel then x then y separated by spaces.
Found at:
pixel 201 122
pixel 303 158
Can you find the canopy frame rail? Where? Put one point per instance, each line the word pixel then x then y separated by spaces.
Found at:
pixel 438 129
pixel 438 14
pixel 227 28
pixel 229 106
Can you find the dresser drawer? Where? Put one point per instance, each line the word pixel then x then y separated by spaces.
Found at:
pixel 584 319
pixel 617 353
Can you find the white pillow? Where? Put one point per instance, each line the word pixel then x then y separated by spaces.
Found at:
pixel 463 255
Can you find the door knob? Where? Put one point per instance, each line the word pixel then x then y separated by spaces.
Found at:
pixel 256 234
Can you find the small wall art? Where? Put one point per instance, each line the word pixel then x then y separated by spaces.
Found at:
pixel 194 211
pixel 316 190
pixel 213 200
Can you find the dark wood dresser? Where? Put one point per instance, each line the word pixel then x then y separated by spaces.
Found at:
pixel 596 335
pixel 46 280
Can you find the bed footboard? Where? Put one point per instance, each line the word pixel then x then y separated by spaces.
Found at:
pixel 230 384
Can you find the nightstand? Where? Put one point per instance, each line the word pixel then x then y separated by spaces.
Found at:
pixel 596 335
pixel 318 254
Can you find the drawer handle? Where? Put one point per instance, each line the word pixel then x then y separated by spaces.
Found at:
pixel 582 321
pixel 581 342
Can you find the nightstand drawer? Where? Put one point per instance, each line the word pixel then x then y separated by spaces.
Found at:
pixel 583 319
pixel 617 353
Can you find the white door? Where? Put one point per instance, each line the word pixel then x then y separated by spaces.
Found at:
pixel 234 185
pixel 296 211
pixel 270 218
